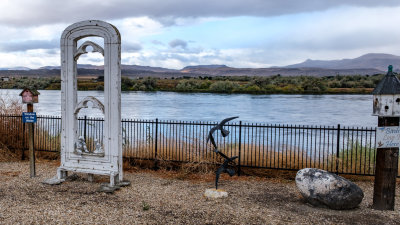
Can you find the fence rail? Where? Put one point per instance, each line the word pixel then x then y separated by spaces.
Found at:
pixel 343 150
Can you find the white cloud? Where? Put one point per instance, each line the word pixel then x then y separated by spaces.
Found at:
pixel 28 45
pixel 30 58
pixel 134 28
pixel 178 43
pixel 32 13
pixel 321 30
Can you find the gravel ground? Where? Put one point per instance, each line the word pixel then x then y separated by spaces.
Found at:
pixel 161 198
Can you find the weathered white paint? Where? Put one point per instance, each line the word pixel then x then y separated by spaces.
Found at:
pixel 388 137
pixel 96 104
pixel 386 105
pixel 82 49
pixel 111 163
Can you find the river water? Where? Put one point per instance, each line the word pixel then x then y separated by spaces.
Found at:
pixel 347 110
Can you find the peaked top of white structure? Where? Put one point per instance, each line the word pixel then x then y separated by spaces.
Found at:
pixel 92 28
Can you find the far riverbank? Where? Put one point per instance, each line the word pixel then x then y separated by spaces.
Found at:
pixel 356 84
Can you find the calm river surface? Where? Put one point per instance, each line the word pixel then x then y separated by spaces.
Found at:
pixel 347 110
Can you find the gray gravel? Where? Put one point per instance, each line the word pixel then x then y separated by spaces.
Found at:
pixel 154 198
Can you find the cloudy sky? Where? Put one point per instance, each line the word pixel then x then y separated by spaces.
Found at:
pixel 178 33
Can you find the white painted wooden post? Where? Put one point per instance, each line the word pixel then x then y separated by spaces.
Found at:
pixel 109 163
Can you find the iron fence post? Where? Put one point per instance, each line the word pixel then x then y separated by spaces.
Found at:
pixel 156 147
pixel 337 149
pixel 240 148
pixel 84 127
pixel 23 140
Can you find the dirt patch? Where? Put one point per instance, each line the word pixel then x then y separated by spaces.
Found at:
pixel 163 198
pixel 10 173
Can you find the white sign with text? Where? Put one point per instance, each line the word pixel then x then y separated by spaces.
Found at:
pixel 388 137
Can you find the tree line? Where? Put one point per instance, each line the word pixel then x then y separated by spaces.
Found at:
pixel 220 84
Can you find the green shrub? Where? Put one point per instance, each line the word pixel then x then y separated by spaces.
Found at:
pixel 149 83
pixel 252 89
pixel 187 85
pixel 224 86
pixel 126 83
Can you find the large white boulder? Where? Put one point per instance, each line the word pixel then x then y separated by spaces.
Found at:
pixel 321 188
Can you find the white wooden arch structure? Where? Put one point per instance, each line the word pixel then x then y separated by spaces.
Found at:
pixel 110 163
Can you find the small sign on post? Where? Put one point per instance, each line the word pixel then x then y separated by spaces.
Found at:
pixel 30 96
pixel 29 117
pixel 388 137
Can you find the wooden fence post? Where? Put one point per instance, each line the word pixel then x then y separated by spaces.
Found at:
pixel 386 105
pixel 386 171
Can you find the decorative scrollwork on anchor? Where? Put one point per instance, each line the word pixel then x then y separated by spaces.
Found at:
pixel 84 104
pixel 224 168
pixel 82 49
pixel 80 144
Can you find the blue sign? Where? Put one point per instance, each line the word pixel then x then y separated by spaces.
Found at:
pixel 29 117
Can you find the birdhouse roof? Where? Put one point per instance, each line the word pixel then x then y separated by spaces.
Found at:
pixel 33 91
pixel 389 85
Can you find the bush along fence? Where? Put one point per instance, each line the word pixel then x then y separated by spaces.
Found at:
pixel 342 150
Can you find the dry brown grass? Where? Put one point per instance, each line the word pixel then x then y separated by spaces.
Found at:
pixel 205 162
pixel 13 136
pixel 195 160
pixel 11 131
pixel 10 105
pixel 6 155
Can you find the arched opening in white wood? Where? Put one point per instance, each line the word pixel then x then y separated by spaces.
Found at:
pixel 73 46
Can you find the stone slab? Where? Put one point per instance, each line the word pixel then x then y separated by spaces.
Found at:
pixel 107 188
pixel 53 181
pixel 124 183
pixel 215 193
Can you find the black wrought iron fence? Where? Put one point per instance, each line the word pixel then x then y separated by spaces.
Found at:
pixel 343 150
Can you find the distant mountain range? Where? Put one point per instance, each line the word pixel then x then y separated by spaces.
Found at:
pixel 373 63
pixel 123 67
pixel 16 68
pixel 368 61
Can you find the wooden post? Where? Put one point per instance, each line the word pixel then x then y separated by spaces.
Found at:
pixel 30 141
pixel 385 171
pixel 386 105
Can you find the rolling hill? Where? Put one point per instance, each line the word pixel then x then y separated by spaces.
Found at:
pixel 368 61
pixel 373 63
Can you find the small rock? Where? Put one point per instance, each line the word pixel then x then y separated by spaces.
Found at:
pixel 106 188
pixel 124 183
pixel 53 181
pixel 215 193
pixel 321 188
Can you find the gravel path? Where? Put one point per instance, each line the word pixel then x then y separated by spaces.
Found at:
pixel 159 198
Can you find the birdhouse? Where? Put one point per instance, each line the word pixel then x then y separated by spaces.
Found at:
pixel 387 96
pixel 29 96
